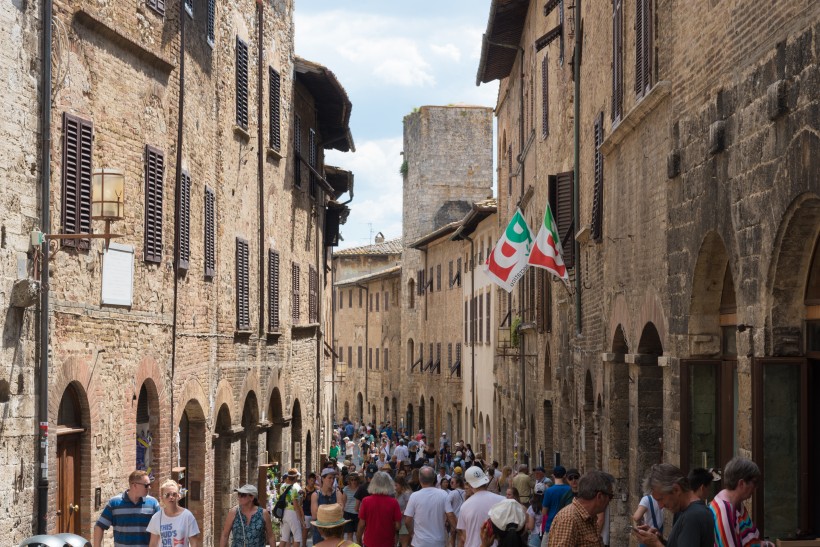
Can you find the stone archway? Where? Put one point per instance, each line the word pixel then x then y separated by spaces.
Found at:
pixel 296 454
pixel 222 473
pixel 646 407
pixel 588 427
pixel 192 451
pixel 73 445
pixel 274 440
pixel 249 441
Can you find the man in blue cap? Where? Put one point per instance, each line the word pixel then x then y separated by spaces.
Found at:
pixel 555 498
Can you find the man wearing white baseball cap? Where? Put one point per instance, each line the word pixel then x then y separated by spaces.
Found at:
pixel 476 509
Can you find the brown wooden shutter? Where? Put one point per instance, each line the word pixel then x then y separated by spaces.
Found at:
pixel 183 243
pixel 643 46
pixel 385 359
pixel 487 301
pixel 294 285
pixel 350 299
pixel 438 277
pixel 313 296
pixel 545 126
pixel 598 190
pixel 370 358
pixel 78 138
pixel 157 5
pixel 480 318
pixel 509 169
pixel 386 300
pixel 297 151
pixel 154 188
pixel 458 271
pixel 544 302
pixel 273 290
pixel 561 204
pixel 243 320
pixel 360 357
pixel 211 22
pixel 377 358
pixel 617 60
pixel 241 83
pixel 210 233
pixel 466 322
pixel 312 184
pixel 275 107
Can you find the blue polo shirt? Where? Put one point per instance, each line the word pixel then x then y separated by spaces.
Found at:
pixel 130 520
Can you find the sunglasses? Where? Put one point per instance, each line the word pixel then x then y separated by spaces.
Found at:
pixel 145 484
pixel 573 477
pixel 610 495
pixel 167 495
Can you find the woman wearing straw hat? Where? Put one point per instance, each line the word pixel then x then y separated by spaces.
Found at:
pixel 330 523
pixel 173 525
pixel 248 524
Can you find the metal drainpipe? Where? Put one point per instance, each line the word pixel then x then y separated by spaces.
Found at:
pixel 523 376
pixel 575 185
pixel 333 336
pixel 318 434
pixel 366 338
pixel 472 332
pixel 45 214
pixel 260 159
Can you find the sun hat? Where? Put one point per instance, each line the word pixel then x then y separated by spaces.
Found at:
pixel 329 516
pixel 508 515
pixel 328 471
pixel 247 489
pixel 293 472
pixel 475 477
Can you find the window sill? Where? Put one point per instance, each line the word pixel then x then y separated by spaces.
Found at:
pixel 273 154
pixel 241 333
pixel 273 335
pixel 304 328
pixel 241 132
pixel 635 116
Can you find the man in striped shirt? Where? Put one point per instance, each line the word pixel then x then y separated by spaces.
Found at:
pixel 129 514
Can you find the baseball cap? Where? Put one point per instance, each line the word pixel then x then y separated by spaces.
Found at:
pixel 508 515
pixel 572 472
pixel 444 434
pixel 539 488
pixel 247 489
pixel 372 469
pixel 457 470
pixel 328 471
pixel 475 477
pixel 559 471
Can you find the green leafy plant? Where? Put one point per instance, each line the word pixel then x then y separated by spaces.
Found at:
pixel 403 168
pixel 514 334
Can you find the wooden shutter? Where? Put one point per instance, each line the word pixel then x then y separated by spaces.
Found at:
pixel 377 301
pixel 385 359
pixel 377 358
pixel 157 5
pixel 370 358
pixel 509 169
pixel 313 296
pixel 297 151
pixel 241 83
pixel 154 187
pixel 350 299
pixel 243 320
pixel 350 356
pixel 210 233
pixel 545 126
pixel 275 107
pixel 78 138
pixel 480 318
pixel 438 277
pixel 360 357
pixel 294 286
pixel 544 302
pixel 466 322
pixel 598 190
pixel 458 271
pixel 273 290
pixel 488 306
pixel 183 246
pixel 312 160
pixel 561 203
pixel 211 22
pixel 617 60
pixel 643 46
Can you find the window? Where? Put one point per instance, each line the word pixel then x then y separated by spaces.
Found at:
pixel 341 299
pixel 360 357
pixel 184 218
pixel 438 358
pixel 545 126
pixel 78 138
pixel 243 320
pixel 360 298
pixel 466 322
pixel 385 359
pixel 350 356
pixel 450 356
pixel 377 358
pixel 274 101
pixel 560 189
pixel 210 233
pixel 598 190
pixel 456 368
pixel 377 301
pixel 481 317
pixel 273 290
pixel 544 302
pixel 438 277
pixel 294 287
pixel 369 301
pixel 487 301
pixel 643 46
pixel 154 169
pixel 157 5
pixel 241 83
pixel 189 7
pixel 211 22
pixel 370 358
pixel 386 299
pixel 297 151
pixel 312 185
pixel 350 299
pixel 313 295
pixel 458 272
pixel 429 284
pixel 617 60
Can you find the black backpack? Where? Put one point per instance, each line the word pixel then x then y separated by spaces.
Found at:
pixel 279 507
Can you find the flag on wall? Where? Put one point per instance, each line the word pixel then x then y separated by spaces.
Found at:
pixel 508 259
pixel 547 252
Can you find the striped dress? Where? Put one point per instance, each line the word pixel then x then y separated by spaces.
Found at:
pixel 733 528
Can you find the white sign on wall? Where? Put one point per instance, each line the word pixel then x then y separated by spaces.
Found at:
pixel 118 275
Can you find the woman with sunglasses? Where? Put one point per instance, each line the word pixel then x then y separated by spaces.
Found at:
pixel 173 525
pixel 248 524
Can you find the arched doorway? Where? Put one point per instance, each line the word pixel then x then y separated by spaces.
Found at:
pixel 421 413
pixel 347 410
pixel 147 430
pixel 646 438
pixel 549 451
pixel 360 408
pixel 192 457
pixel 72 443
pixel 296 436
pixel 249 442
pixel 395 419
pixel 308 454
pixel 408 423
pixel 222 468
pixel 274 440
pixel 588 428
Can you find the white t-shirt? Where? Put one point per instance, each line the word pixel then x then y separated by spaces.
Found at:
pixel 349 446
pixel 173 531
pixel 647 517
pixel 475 512
pixel 401 453
pixel 428 508
pixel 456 496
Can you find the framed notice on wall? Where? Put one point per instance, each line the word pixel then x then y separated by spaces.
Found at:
pixel 118 275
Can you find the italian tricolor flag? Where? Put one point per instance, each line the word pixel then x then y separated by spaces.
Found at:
pixel 547 253
pixel 508 260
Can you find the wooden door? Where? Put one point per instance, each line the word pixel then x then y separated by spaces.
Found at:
pixel 68 484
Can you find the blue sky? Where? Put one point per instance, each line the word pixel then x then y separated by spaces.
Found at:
pixel 391 56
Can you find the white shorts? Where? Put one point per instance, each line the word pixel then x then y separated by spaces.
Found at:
pixel 308 518
pixel 291 527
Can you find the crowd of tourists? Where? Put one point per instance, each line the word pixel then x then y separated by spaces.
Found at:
pixel 383 488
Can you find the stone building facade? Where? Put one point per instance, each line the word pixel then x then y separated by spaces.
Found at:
pixel 688 332
pixel 196 346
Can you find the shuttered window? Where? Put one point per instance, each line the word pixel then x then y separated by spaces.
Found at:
pixel 313 296
pixel 481 318
pixel 78 136
pixel 598 190
pixel 618 60
pixel 377 358
pixel 273 291
pixel 438 277
pixel 545 126
pixel 466 322
pixel 297 151
pixel 544 302
pixel 294 285
pixel 385 359
pixel 350 299
pixel 154 186
pixel 241 83
pixel 377 301
pixel 643 46
pixel 509 169
pixel 487 300
pixel 243 318
pixel 386 300
pixel 275 99
pixel 350 356
pixel 210 233
pixel 184 219
pixel 156 5
pixel 312 161
pixel 458 272
pixel 561 204
pixel 211 22
pixel 370 358
pixel 360 357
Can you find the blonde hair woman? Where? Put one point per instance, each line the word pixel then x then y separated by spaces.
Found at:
pixel 505 481
pixel 173 525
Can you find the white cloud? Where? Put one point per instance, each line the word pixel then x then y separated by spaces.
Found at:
pixel 449 51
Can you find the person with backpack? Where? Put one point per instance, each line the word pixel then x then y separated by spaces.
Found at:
pixel 557 496
pixel 649 513
pixel 288 509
